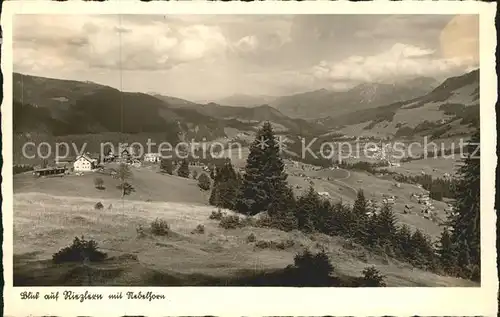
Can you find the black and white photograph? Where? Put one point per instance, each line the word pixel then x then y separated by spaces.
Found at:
pixel 247 150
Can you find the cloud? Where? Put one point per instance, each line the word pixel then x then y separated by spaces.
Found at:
pixel 401 60
pixel 100 42
pixel 226 54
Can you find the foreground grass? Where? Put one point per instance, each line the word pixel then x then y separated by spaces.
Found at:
pixel 43 224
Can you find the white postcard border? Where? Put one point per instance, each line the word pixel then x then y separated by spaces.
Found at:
pixel 231 301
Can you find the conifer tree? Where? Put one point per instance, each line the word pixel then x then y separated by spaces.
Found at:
pixel 166 166
pixel 403 242
pixel 282 211
pixel 344 219
pixel 264 174
pixel 307 206
pixel 423 251
pixel 466 221
pixel 446 252
pixel 359 210
pixel 225 187
pixel 326 217
pixel 183 170
pixel 386 225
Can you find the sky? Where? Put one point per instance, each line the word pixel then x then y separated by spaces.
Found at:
pixel 203 57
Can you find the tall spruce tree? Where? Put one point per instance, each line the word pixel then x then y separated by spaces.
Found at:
pixel 359 210
pixel 282 211
pixel 423 251
pixel 264 174
pixel 307 206
pixel 225 186
pixel 403 242
pixel 386 225
pixel 446 252
pixel 465 222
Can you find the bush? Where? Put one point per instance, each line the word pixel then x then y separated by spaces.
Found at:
pixel 98 183
pixel 231 222
pixel 98 206
pixel 160 227
pixel 251 238
pixel 200 229
pixel 166 166
pixel 141 233
pixel 216 215
pixel 263 244
pixel 195 175
pixel 372 278
pixel 264 222
pixel 126 188
pixel 313 269
pixel 79 251
pixel 282 245
pixel 204 181
pixel 183 170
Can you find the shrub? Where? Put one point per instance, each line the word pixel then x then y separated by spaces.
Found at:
pixel 313 269
pixel 79 251
pixel 141 233
pixel 264 222
pixel 166 166
pixel 183 170
pixel 200 229
pixel 126 188
pixel 195 175
pixel 251 238
pixel 263 244
pixel 230 222
pixel 216 215
pixel 98 183
pixel 98 206
pixel 204 181
pixel 372 278
pixel 282 245
pixel 160 227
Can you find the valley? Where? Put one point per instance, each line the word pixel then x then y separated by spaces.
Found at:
pixel 50 211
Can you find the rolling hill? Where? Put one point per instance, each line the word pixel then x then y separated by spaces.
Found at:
pixel 323 103
pixel 65 107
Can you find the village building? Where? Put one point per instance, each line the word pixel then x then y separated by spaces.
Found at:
pixel 152 157
pixel 50 171
pixel 84 163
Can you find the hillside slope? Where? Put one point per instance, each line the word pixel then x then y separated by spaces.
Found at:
pixel 450 109
pixel 43 225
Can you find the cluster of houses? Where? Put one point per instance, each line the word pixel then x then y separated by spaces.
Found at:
pixel 90 161
pixel 424 200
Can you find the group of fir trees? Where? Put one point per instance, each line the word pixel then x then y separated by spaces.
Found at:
pixel 263 188
pixel 459 245
pixel 167 166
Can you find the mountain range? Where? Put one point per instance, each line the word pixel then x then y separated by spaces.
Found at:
pixel 68 107
pixel 324 103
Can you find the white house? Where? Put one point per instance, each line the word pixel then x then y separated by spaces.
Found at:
pixel 84 163
pixel 152 157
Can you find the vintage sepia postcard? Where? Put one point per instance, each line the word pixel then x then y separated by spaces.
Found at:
pixel 220 158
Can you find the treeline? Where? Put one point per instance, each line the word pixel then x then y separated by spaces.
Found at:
pixel 263 189
pixel 372 168
pixel 438 188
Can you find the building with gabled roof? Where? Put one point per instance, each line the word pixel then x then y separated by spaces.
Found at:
pixel 84 163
